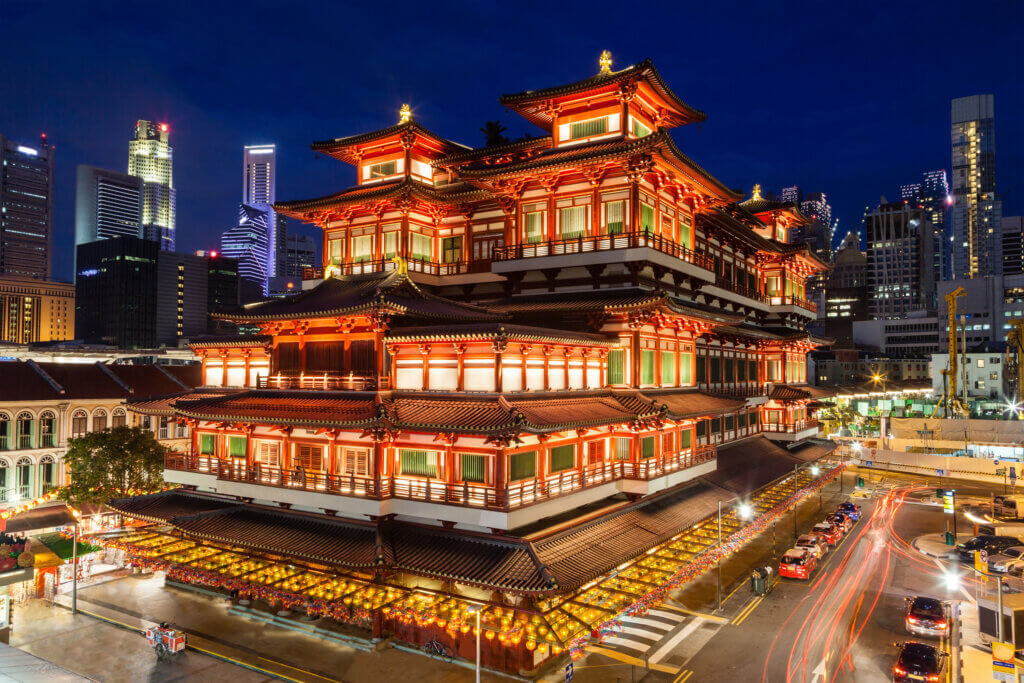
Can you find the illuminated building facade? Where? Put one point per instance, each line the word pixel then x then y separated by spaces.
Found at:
pixel 977 210
pixel 150 157
pixel 901 277
pixel 259 177
pixel 500 336
pixel 107 204
pixel 26 209
pixel 35 310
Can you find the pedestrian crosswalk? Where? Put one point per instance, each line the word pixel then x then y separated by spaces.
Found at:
pixel 652 636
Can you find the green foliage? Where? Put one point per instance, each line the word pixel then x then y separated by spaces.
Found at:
pixel 113 463
pixel 494 134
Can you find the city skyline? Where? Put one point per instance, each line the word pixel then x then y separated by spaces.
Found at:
pixel 777 145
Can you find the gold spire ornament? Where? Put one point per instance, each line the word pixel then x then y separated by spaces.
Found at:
pixel 606 62
pixel 756 194
pixel 401 265
pixel 405 114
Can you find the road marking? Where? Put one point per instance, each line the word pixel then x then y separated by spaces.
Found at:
pixel 702 615
pixel 963 590
pixel 635 661
pixel 295 668
pixel 746 612
pixel 683 676
pixel 675 640
pixel 821 669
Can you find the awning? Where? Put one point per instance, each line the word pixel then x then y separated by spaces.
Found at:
pixel 49 517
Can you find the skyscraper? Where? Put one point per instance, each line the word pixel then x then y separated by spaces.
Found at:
pixel 26 209
pixel 301 253
pixel 791 194
pixel 150 157
pixel 248 243
pixel 1013 245
pixel 977 209
pixel 932 195
pixel 107 204
pixel 901 276
pixel 259 190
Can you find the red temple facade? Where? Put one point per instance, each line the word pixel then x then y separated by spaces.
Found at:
pixel 501 336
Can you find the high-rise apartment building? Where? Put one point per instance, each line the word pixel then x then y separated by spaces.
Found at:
pixel 33 310
pixel 26 209
pixel 1013 245
pixel 791 194
pixel 259 190
pixel 901 277
pixel 977 209
pixel 932 195
pixel 107 204
pixel 818 233
pixel 150 157
pixel 248 243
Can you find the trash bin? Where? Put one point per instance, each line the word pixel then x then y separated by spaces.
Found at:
pixel 950 538
pixel 860 482
pixel 761 580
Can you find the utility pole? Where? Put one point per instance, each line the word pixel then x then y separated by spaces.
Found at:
pixel 999 584
pixel 719 555
pixel 796 476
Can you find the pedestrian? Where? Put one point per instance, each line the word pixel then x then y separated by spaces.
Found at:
pixel 300 476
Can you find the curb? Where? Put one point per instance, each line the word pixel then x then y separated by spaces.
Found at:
pixel 921 550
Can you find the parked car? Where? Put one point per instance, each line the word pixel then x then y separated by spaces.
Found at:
pixel 797 563
pixel 926 617
pixel 812 542
pixel 993 545
pixel 851 508
pixel 1009 561
pixel 918 662
pixel 831 533
pixel 840 520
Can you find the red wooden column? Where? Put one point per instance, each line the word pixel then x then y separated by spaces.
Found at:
pixel 500 476
pixel 248 445
pixel 585 356
pixel 499 345
pixel 460 355
pixel 657 357
pixel 565 355
pixel 524 349
pixel 224 367
pixel 634 357
pixel 425 354
pixel 246 355
pixel 378 460
pixel 202 365
pixel 679 356
pixel 286 449
pixel 547 367
pixel 603 367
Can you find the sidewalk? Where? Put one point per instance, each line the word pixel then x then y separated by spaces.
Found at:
pixel 934 545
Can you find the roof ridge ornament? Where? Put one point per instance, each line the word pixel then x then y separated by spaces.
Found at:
pixel 756 194
pixel 605 61
pixel 405 114
pixel 401 265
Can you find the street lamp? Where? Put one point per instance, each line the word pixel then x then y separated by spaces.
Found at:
pixel 815 470
pixel 477 609
pixel 952 580
pixel 746 511
pixel 1013 408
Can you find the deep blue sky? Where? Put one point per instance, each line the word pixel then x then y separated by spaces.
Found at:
pixel 847 98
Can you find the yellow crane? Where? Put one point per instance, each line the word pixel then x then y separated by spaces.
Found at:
pixel 950 400
pixel 1015 342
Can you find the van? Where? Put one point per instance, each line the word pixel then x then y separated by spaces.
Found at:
pixel 1012 507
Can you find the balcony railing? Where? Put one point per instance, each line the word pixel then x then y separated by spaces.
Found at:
pixel 415 266
pixel 741 290
pixel 791 428
pixel 322 381
pixel 516 495
pixel 793 301
pixel 737 391
pixel 578 245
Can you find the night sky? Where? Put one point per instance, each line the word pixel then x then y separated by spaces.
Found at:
pixel 836 97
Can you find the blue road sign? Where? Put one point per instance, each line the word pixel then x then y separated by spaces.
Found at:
pixel 568 673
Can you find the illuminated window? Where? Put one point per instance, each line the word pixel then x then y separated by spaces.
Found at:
pixel 615 217
pixel 640 130
pixel 535 226
pixel 382 170
pixel 572 221
pixel 586 129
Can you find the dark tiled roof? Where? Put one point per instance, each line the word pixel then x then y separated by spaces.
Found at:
pixel 232 340
pixel 164 405
pixel 722 220
pixel 23 382
pixel 440 412
pixel 747 465
pixel 644 70
pixel 316 538
pixel 147 380
pixel 303 209
pixel 313 408
pixel 630 299
pixel 191 375
pixel 586 551
pixel 815 449
pixel 466 557
pixel 761 205
pixel 338 147
pixel 689 404
pixel 84 381
pixel 162 507
pixel 520 146
pixel 392 293
pixel 47 517
pixel 784 392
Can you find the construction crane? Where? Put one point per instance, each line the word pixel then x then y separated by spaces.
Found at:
pixel 953 404
pixel 1015 342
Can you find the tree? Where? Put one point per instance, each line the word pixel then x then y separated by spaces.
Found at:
pixel 494 134
pixel 112 464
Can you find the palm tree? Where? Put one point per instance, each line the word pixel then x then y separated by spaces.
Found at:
pixel 494 134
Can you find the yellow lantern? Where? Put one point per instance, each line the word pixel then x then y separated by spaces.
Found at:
pixel 464 628
pixel 489 635
pixel 530 645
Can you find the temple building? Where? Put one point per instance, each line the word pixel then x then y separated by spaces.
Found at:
pixel 520 368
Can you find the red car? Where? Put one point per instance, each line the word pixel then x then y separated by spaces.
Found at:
pixel 797 563
pixel 828 531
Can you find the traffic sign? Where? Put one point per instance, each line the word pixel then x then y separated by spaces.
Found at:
pixel 981 561
pixel 1000 471
pixel 949 501
pixel 940 473
pixel 1013 474
pixel 1003 667
pixel 568 673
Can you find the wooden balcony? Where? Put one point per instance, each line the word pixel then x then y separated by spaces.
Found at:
pixel 733 390
pixel 516 495
pixel 793 301
pixel 321 382
pixel 790 428
pixel 598 243
pixel 415 266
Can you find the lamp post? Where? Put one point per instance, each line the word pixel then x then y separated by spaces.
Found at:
pixel 796 483
pixel 477 609
pixel 952 579
pixel 719 554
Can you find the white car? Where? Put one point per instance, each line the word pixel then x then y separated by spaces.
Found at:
pixel 812 542
pixel 1009 561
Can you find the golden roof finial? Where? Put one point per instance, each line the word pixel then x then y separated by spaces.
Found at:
pixel 756 194
pixel 401 265
pixel 405 114
pixel 606 62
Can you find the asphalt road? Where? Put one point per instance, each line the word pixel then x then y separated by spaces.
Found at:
pixel 842 623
